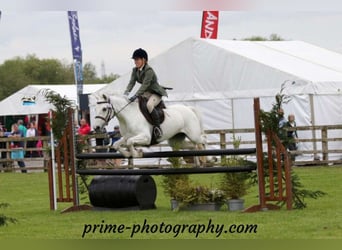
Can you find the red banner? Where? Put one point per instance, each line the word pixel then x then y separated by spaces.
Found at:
pixel 209 24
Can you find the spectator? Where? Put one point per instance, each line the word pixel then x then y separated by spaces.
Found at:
pixel 115 135
pixel 22 127
pixel 82 131
pixel 45 124
pixel 281 117
pixel 2 128
pixel 84 128
pixel 18 153
pixel 2 144
pixel 281 124
pixel 292 135
pixel 32 132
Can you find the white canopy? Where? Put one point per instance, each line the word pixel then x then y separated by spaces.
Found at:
pixel 218 71
pixel 222 77
pixel 15 105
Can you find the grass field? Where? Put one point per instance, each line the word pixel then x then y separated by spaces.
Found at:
pixel 27 195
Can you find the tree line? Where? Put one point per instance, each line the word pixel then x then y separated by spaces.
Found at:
pixel 18 72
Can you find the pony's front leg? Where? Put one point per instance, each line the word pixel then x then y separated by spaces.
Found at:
pixel 140 139
pixel 118 146
pixel 119 142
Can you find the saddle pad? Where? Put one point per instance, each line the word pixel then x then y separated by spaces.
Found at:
pixel 147 115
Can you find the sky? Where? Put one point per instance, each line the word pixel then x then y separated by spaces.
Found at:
pixel 109 34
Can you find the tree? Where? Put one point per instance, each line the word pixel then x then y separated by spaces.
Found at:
pixel 273 37
pixel 12 77
pixel 270 122
pixel 19 72
pixel 109 78
pixel 89 73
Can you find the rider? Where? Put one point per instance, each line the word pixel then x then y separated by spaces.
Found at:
pixel 150 88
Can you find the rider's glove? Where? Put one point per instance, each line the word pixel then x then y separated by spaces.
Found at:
pixel 131 99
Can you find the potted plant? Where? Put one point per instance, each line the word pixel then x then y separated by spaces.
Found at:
pixel 174 186
pixel 201 197
pixel 235 186
pixel 185 195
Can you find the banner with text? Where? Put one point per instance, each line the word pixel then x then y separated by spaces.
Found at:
pixel 209 24
pixel 76 49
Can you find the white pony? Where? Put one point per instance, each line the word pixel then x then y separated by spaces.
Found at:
pixel 180 122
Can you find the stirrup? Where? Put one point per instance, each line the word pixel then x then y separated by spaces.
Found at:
pixel 157 132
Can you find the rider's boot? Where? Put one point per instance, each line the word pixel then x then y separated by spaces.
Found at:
pixel 156 124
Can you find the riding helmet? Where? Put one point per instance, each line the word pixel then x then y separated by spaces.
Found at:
pixel 140 53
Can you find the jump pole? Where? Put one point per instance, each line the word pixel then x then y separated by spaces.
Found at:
pixel 166 154
pixel 166 171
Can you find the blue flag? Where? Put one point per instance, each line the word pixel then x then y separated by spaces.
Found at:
pixel 76 49
pixel 75 35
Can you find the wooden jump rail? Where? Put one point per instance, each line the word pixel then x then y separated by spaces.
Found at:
pixel 278 189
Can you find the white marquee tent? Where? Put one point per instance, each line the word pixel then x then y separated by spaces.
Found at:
pixel 14 105
pixel 222 77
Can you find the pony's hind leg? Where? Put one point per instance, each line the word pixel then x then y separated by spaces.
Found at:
pixel 200 141
pixel 196 136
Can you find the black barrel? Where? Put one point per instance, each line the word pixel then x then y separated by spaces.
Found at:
pixel 123 191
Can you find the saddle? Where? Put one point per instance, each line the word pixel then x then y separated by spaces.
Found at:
pixel 159 108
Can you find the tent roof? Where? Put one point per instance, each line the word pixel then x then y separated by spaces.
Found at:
pixel 298 58
pixel 198 68
pixel 13 105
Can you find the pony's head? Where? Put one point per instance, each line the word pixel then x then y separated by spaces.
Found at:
pixel 104 112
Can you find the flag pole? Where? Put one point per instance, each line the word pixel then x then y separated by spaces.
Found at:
pixel 52 143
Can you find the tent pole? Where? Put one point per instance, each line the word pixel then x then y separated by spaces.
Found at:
pixel 233 117
pixel 52 143
pixel 313 123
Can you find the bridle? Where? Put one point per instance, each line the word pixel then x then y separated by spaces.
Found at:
pixel 111 111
